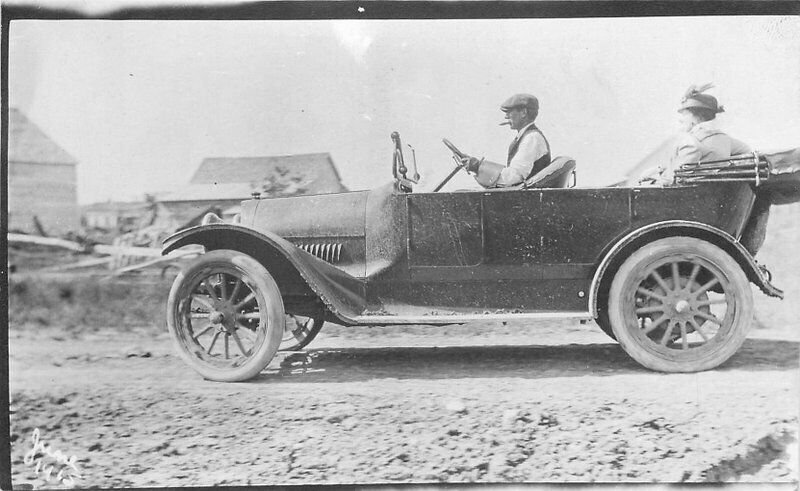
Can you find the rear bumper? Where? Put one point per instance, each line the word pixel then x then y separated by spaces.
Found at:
pixel 765 282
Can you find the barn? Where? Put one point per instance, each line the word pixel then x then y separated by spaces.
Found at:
pixel 220 184
pixel 42 183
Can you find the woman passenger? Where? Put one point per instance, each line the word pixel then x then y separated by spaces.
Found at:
pixel 700 139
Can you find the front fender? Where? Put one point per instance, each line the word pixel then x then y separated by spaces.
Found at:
pixel 629 243
pixel 341 293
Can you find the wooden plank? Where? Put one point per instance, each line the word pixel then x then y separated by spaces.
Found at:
pixel 164 259
pixel 121 250
pixel 80 264
pixel 138 251
pixel 127 250
pixel 46 241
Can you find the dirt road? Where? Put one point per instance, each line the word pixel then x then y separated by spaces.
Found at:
pixel 486 403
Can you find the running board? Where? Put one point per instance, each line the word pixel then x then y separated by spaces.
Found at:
pixel 464 318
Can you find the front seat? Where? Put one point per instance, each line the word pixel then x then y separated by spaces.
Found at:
pixel 556 175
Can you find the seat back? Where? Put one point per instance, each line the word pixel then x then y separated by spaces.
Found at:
pixel 556 175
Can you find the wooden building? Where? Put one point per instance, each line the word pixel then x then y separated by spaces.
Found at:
pixel 115 216
pixel 221 184
pixel 42 183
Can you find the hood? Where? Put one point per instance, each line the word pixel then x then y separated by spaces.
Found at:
pixel 318 216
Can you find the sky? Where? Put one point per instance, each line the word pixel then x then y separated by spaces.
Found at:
pixel 139 104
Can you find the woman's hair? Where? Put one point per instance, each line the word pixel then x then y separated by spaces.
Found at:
pixel 702 114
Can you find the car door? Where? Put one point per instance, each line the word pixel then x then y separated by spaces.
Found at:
pixel 546 242
pixel 444 249
pixel 512 250
pixel 444 231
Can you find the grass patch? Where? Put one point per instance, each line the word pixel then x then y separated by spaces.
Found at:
pixel 86 304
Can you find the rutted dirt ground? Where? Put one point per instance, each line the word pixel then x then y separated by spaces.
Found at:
pixel 483 402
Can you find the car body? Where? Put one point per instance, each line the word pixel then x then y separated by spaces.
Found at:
pixel 391 256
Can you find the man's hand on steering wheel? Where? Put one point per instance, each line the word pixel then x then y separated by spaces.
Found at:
pixel 464 161
pixel 471 164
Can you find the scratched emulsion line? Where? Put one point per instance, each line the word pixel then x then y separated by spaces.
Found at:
pixel 455 239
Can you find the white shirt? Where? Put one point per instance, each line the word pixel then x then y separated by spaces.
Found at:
pixel 531 148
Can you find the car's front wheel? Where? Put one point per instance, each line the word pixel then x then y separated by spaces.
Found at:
pixel 602 319
pixel 680 304
pixel 226 316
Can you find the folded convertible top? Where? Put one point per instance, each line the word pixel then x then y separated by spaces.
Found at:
pixel 776 174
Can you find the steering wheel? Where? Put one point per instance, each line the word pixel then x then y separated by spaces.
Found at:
pixel 458 153
pixel 457 156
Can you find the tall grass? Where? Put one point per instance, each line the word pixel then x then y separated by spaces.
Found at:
pixel 85 304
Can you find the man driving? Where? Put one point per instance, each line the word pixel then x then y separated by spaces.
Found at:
pixel 528 154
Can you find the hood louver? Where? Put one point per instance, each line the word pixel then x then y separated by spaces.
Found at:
pixel 328 251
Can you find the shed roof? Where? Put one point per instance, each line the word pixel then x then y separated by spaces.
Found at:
pixel 28 143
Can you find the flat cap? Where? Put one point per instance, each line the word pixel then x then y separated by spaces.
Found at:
pixel 520 100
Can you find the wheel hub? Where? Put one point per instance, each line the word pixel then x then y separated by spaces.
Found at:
pixel 216 317
pixel 678 306
pixel 681 306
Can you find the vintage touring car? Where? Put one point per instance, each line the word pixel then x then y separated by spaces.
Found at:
pixel 665 271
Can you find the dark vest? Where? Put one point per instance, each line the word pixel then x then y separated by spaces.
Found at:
pixel 541 162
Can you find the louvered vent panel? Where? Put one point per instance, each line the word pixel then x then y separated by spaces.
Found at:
pixel 327 251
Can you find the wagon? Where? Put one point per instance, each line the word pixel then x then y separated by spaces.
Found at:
pixel 665 271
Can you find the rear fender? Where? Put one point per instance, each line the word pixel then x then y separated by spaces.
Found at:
pixel 296 272
pixel 634 240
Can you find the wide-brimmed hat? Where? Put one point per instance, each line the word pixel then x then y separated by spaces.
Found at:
pixel 694 98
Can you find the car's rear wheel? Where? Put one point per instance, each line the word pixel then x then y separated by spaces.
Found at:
pixel 680 304
pixel 226 316
pixel 299 331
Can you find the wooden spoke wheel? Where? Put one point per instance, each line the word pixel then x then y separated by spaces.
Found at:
pixel 299 331
pixel 680 304
pixel 225 314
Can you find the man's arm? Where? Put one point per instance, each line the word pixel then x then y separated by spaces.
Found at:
pixel 490 174
pixel 486 173
pixel 531 148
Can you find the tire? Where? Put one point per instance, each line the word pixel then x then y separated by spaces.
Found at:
pixel 229 298
pixel 680 304
pixel 299 332
pixel 602 319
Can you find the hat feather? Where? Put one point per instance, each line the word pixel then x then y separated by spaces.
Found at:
pixel 693 90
